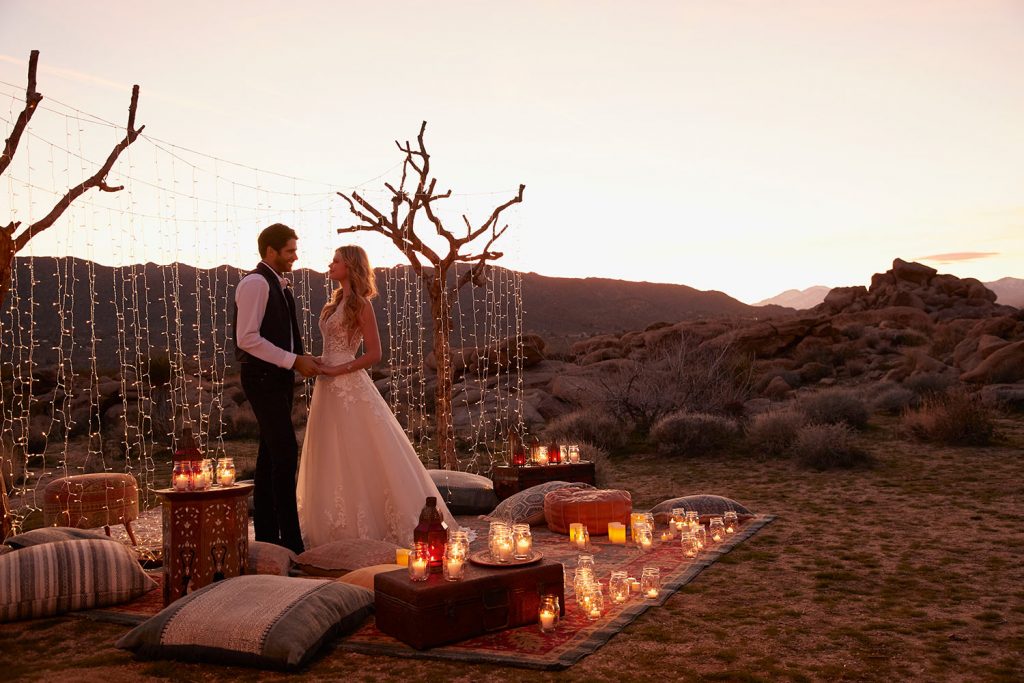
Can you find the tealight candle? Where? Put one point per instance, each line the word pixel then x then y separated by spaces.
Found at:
pixel 402 557
pixel 181 482
pixel 504 550
pixel 523 546
pixel 575 529
pixel 634 585
pixel 547 620
pixel 652 593
pixel 617 532
pixel 418 569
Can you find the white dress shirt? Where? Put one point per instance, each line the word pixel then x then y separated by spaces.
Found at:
pixel 251 297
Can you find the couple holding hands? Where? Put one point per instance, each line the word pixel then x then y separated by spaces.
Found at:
pixel 359 476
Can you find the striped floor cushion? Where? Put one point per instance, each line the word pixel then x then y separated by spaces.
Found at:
pixel 54 534
pixel 66 576
pixel 265 621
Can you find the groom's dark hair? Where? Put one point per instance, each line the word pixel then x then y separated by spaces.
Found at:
pixel 276 236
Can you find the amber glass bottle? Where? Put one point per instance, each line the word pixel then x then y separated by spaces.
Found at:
pixel 433 532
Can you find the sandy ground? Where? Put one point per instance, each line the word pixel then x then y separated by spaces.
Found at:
pixel 910 570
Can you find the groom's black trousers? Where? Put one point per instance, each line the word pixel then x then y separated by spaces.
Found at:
pixel 270 392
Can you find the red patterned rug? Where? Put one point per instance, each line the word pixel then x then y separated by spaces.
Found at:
pixel 576 635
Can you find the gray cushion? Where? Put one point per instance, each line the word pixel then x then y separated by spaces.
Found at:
pixel 465 493
pixel 53 578
pixel 265 621
pixel 269 558
pixel 703 504
pixel 527 506
pixel 53 534
pixel 338 557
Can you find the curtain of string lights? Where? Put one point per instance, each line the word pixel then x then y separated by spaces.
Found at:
pixel 116 332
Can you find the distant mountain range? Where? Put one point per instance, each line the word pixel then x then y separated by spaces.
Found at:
pixel 1009 291
pixel 151 307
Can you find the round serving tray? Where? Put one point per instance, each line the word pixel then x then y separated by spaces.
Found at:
pixel 484 559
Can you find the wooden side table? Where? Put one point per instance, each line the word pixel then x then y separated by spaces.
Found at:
pixel 509 480
pixel 206 537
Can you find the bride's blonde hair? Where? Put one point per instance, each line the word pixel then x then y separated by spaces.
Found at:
pixel 362 285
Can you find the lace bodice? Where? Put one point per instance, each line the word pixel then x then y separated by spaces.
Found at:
pixel 339 346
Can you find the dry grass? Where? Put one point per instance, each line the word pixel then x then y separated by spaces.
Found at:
pixel 907 571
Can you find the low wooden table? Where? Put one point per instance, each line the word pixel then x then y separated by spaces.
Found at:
pixel 206 537
pixel 509 480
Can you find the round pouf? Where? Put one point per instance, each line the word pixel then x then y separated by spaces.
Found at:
pixel 88 501
pixel 593 508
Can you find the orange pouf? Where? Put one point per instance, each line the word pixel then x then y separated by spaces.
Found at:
pixel 593 508
pixel 87 501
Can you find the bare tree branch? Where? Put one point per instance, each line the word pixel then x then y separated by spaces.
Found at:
pixel 32 100
pixel 98 179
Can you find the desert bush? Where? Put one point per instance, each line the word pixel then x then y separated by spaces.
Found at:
pixel 590 425
pixel 893 399
pixel 687 433
pixel 828 446
pixel 681 375
pixel 833 406
pixel 774 432
pixel 602 465
pixel 929 383
pixel 242 425
pixel 955 418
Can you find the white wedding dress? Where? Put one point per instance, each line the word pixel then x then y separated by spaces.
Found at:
pixel 359 476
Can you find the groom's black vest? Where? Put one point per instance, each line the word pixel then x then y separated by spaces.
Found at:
pixel 279 326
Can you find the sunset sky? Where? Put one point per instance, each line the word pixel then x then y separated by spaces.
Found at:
pixel 748 147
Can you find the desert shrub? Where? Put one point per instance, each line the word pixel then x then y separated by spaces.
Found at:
pixel 680 375
pixel 833 406
pixel 928 383
pixel 955 418
pixel 893 399
pixel 242 425
pixel 828 446
pixel 693 433
pixel 590 425
pixel 775 431
pixel 602 465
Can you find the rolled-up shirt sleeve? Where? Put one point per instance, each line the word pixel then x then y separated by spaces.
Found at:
pixel 251 298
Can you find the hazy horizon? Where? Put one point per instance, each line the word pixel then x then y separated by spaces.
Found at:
pixel 743 147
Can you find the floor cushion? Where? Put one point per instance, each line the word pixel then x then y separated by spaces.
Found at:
pixel 527 506
pixel 340 557
pixel 65 576
pixel 593 508
pixel 93 500
pixel 264 621
pixel 465 493
pixel 364 577
pixel 269 558
pixel 53 534
pixel 705 505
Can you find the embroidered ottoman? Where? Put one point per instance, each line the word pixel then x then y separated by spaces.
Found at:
pixel 87 501
pixel 593 508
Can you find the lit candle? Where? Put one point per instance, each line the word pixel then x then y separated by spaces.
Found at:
pixel 547 620
pixel 419 567
pixel 652 593
pixel 504 551
pixel 717 537
pixel 666 536
pixel 634 585
pixel 581 540
pixel 575 531
pixel 227 477
pixel 454 565
pixel 523 546
pixel 181 482
pixel 402 557
pixel 617 532
pixel 645 543
pixel 595 613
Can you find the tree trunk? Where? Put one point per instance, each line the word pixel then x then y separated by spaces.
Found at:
pixel 441 309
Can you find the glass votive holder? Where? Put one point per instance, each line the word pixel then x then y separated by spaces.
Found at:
pixel 548 613
pixel 585 561
pixel 523 541
pixel 181 476
pixel 595 603
pixel 731 521
pixel 459 539
pixel 678 518
pixel 650 583
pixel 692 518
pixel 573 453
pixel 203 475
pixel 716 529
pixel 644 537
pixel 618 587
pixel 226 471
pixel 700 535
pixel 419 559
pixel 540 455
pixel 635 518
pixel 582 540
pixel 504 547
pixel 688 543
pixel 454 564
pixel 497 530
pixel 581 582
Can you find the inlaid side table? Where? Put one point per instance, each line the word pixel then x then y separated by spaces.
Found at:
pixel 206 537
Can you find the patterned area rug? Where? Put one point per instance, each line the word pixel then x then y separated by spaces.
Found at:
pixel 576 635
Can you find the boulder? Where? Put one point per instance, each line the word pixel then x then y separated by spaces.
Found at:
pixel 917 273
pixel 777 388
pixel 1004 365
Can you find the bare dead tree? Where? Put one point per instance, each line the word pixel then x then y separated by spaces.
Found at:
pixel 398 223
pixel 11 243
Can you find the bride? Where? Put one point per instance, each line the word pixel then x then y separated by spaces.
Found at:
pixel 359 476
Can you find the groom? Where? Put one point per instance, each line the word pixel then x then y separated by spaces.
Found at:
pixel 268 345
